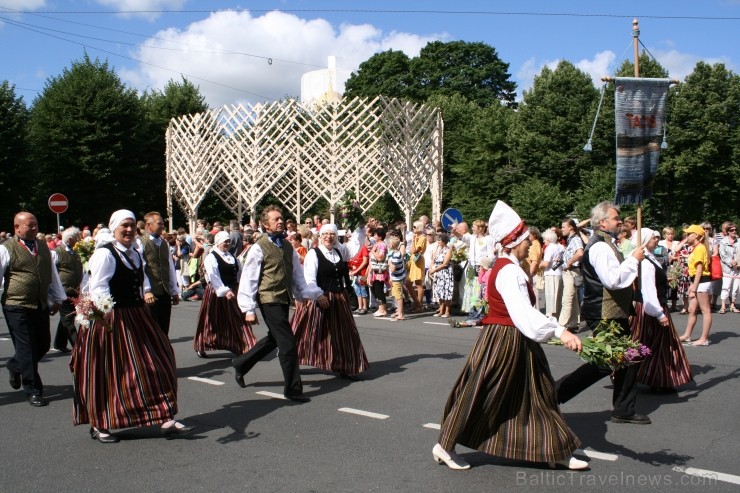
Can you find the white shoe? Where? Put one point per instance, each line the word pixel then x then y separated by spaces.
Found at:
pixel 452 460
pixel 573 464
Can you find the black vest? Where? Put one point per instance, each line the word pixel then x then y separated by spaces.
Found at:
pixel 127 282
pixel 330 277
pixel 661 284
pixel 227 272
pixel 600 303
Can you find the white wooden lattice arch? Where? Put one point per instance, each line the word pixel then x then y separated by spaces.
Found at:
pixel 302 153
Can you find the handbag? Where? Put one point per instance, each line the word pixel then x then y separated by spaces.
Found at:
pixel 577 280
pixel 715 269
pixel 539 283
pixel 378 266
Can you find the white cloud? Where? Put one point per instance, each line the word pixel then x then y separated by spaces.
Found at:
pixel 295 46
pixel 528 71
pixel 21 4
pixel 152 6
pixel 679 65
pixel 601 65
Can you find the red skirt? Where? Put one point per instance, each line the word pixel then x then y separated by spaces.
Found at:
pixel 221 325
pixel 328 339
pixel 124 377
pixel 667 366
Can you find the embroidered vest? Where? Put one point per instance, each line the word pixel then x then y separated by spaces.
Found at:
pixel 157 265
pixel 276 274
pixel 70 270
pixel 330 277
pixel 498 314
pixel 227 271
pixel 126 285
pixel 27 276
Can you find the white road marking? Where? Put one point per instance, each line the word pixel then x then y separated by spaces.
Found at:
pixel 589 452
pixel 704 473
pixel 432 426
pixel 363 413
pixel 4 338
pixel 205 380
pixel 271 394
pixel 437 323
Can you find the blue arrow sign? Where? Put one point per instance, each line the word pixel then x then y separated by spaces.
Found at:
pixel 451 217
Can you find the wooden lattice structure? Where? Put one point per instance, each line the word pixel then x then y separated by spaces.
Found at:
pixel 299 154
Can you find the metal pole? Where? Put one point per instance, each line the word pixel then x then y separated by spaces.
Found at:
pixel 636 39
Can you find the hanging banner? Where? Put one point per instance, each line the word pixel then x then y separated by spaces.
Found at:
pixel 639 120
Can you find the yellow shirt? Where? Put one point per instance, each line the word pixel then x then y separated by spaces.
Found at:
pixel 534 256
pixel 699 255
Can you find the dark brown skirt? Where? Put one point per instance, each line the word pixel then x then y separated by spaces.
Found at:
pixel 667 366
pixel 328 339
pixel 221 325
pixel 124 377
pixel 504 402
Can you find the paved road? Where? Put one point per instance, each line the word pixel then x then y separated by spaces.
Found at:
pixel 249 440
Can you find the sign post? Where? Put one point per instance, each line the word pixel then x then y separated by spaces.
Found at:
pixel 450 218
pixel 58 203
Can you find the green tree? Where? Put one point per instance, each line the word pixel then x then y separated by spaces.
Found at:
pixel 86 132
pixel 13 152
pixel 699 177
pixel 540 202
pixel 177 99
pixel 387 73
pixel 552 125
pixel 473 70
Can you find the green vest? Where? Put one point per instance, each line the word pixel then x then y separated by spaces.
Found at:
pixel 277 272
pixel 157 265
pixel 70 270
pixel 27 277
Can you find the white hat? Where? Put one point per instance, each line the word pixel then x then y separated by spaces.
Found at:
pixel 645 235
pixel 506 227
pixel 221 236
pixel 117 218
pixel 328 228
pixel 103 237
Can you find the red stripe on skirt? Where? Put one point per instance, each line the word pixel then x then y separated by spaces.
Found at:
pixel 328 339
pixel 124 377
pixel 221 325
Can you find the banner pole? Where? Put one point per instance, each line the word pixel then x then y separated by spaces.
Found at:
pixel 636 40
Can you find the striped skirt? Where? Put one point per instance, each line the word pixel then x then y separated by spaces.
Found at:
pixel 124 377
pixel 504 402
pixel 667 366
pixel 328 339
pixel 221 325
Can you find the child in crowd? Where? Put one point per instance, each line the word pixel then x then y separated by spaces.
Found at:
pixel 397 271
pixel 478 311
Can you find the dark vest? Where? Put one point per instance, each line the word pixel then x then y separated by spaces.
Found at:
pixel 498 314
pixel 276 274
pixel 331 277
pixel 227 272
pixel 600 303
pixel 157 265
pixel 661 284
pixel 70 270
pixel 27 276
pixel 127 281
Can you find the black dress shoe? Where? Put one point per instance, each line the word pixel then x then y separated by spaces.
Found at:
pixel 15 380
pixel 635 419
pixel 108 438
pixel 37 400
pixel 298 398
pixel 174 430
pixel 201 354
pixel 239 377
pixel 62 350
pixel 347 376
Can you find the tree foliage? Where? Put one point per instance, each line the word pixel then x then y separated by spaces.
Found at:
pixel 13 151
pixel 387 73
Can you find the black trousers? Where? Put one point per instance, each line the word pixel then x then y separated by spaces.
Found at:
pixel 378 288
pixel 624 394
pixel 279 335
pixel 66 330
pixel 30 332
pixel 161 311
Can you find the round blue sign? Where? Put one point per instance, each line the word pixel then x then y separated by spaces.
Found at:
pixel 451 217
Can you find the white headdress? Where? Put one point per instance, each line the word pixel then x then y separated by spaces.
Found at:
pixel 221 236
pixel 118 217
pixel 506 227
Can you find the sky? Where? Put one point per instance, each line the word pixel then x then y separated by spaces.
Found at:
pixel 255 51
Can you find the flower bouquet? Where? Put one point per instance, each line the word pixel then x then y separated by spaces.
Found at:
pixel 349 211
pixel 85 248
pixel 675 270
pixel 90 308
pixel 459 254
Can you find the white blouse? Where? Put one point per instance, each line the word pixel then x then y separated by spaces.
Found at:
pixel 650 302
pixel 103 266
pixel 511 282
pixel 210 265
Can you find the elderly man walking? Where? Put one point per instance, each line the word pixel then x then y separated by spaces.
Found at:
pixel 69 267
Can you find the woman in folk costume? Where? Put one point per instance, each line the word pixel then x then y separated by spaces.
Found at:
pixel 504 402
pixel 123 368
pixel 667 366
pixel 325 331
pixel 221 324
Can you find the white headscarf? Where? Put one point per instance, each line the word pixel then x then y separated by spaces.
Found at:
pixel 328 228
pixel 645 235
pixel 118 217
pixel 221 236
pixel 506 226
pixel 102 237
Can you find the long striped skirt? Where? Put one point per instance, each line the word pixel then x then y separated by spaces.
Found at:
pixel 667 366
pixel 124 377
pixel 221 325
pixel 328 339
pixel 504 402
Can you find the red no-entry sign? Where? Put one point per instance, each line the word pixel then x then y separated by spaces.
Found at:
pixel 58 203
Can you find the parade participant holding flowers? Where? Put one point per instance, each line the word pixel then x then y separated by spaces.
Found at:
pixel 123 365
pixel 504 401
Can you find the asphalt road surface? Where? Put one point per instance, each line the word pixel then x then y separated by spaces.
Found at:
pixel 373 435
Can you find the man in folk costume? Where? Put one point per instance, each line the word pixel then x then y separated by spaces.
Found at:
pixel 608 281
pixel 160 270
pixel 32 293
pixel 271 271
pixel 70 270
